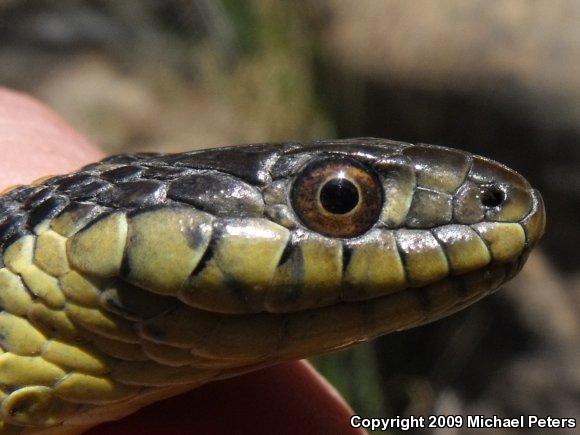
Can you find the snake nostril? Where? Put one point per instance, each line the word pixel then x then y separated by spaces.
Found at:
pixel 492 196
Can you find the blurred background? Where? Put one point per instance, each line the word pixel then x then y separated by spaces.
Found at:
pixel 498 78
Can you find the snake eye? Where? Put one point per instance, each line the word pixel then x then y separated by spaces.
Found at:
pixel 337 197
pixel 492 196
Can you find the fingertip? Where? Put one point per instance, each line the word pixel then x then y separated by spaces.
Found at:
pixel 35 141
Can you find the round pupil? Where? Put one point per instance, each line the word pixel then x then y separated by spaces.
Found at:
pixel 338 196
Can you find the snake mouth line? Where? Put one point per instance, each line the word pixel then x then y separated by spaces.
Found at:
pixel 294 276
pixel 234 341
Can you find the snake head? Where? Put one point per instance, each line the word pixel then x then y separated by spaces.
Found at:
pixel 145 275
pixel 310 247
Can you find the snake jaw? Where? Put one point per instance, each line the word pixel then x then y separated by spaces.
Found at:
pixel 236 341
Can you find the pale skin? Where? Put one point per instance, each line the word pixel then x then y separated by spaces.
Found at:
pixel 286 399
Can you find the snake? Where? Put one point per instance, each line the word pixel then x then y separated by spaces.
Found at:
pixel 145 275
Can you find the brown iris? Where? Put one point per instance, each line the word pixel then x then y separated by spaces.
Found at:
pixel 337 196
